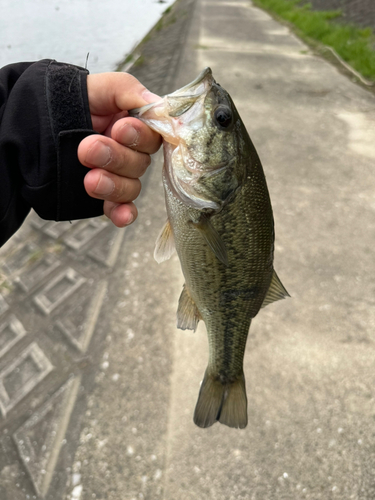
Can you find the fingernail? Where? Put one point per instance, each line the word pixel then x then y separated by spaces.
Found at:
pixel 99 155
pixel 150 97
pixel 129 136
pixel 105 186
pixel 130 219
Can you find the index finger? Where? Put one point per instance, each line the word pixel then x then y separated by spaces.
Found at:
pixel 114 92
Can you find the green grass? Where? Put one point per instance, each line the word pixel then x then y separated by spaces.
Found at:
pixel 128 58
pixel 353 44
pixel 166 20
pixel 141 60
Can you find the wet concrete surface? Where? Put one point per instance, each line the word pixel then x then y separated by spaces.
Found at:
pixel 98 387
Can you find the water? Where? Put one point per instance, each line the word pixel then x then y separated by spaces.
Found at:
pixel 66 30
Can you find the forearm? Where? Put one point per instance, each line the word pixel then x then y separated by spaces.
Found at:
pixel 44 114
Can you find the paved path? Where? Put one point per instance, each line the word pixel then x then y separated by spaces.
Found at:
pixel 97 387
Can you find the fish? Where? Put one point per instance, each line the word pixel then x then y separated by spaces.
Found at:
pixel 220 222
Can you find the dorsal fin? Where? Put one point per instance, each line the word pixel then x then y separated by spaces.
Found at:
pixel 276 291
pixel 164 246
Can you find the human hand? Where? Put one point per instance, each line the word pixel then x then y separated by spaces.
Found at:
pixel 121 154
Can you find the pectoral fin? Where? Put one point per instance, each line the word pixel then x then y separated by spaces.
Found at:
pixel 276 291
pixel 164 246
pixel 213 239
pixel 188 314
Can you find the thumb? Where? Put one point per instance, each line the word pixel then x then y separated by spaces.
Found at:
pixel 110 93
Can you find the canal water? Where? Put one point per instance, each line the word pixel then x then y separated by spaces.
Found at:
pixel 67 30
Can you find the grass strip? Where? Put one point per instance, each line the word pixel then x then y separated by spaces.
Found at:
pixel 354 45
pixel 135 57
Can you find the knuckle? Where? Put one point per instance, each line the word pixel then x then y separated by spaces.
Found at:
pixel 129 164
pixel 121 161
pixel 128 190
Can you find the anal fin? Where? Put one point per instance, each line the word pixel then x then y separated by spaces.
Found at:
pixel 276 291
pixel 188 314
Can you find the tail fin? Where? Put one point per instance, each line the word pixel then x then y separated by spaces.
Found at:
pixel 223 402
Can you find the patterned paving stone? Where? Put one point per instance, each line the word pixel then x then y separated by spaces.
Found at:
pixel 58 290
pixel 40 438
pixel 11 331
pixel 20 258
pixel 3 305
pixel 9 483
pixel 57 229
pixel 55 288
pixel 84 232
pixel 56 283
pixel 22 376
pixel 36 273
pixel 79 326
pixel 107 247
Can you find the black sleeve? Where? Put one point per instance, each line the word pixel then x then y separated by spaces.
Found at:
pixel 44 114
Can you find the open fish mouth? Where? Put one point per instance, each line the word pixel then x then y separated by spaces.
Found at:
pixel 185 109
pixel 194 88
pixel 189 94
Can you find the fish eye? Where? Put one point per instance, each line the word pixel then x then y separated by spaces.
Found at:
pixel 223 116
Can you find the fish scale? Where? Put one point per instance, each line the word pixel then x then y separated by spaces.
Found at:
pixel 221 224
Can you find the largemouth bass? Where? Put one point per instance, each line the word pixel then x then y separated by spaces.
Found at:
pixel 221 224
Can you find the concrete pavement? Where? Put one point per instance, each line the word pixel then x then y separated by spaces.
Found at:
pixel 97 387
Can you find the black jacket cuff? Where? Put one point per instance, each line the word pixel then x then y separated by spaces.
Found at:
pixel 70 122
pixel 44 114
